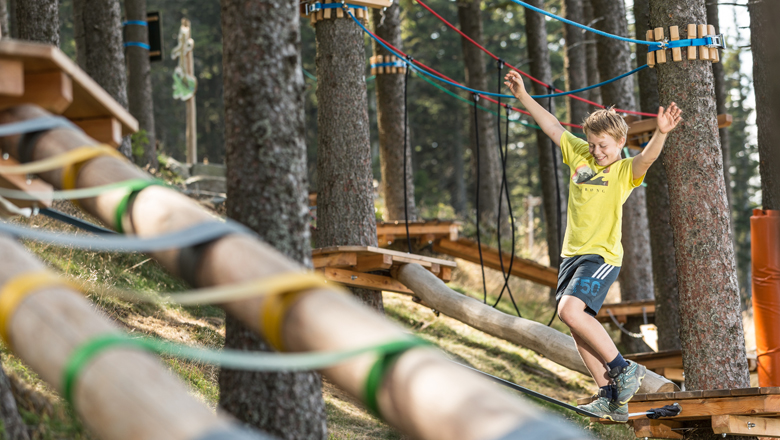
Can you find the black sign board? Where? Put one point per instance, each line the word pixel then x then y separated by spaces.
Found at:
pixel 154 22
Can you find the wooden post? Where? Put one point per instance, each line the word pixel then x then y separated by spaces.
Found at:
pixel 691 35
pixel 650 55
pixel 192 120
pixel 185 72
pixel 660 54
pixel 319 320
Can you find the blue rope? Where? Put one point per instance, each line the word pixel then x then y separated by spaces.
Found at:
pixel 137 44
pixel 135 22
pixel 553 95
pixel 395 64
pixel 582 26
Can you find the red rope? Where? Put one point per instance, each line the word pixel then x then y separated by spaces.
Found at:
pixel 451 26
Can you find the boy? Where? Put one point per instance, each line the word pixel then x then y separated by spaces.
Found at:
pixel 592 253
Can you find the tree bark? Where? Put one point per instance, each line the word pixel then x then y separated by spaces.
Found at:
pixel 5 32
pixel 345 200
pixel 575 65
pixel 766 56
pixel 636 274
pixel 550 159
pixel 139 82
pixel 458 184
pixel 390 122
pixel 38 20
pixel 13 425
pixel 591 57
pixel 667 310
pixel 97 27
pixel 267 191
pixel 470 17
pixel 711 334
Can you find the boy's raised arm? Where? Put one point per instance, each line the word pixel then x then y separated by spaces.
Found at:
pixel 547 121
pixel 667 120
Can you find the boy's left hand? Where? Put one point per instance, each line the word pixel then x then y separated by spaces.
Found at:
pixel 669 118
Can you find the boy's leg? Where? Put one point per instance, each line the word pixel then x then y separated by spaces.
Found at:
pixel 598 370
pixel 572 312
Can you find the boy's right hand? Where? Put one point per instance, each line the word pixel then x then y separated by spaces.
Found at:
pixel 514 81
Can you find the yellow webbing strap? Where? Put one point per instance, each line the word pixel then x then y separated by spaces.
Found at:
pixel 61 160
pixel 283 291
pixel 17 289
pixel 78 157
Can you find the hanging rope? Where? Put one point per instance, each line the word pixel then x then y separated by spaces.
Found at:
pixel 406 124
pixel 479 242
pixel 623 329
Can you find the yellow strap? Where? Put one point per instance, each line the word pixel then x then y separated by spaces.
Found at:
pixel 80 155
pixel 52 163
pixel 283 291
pixel 14 291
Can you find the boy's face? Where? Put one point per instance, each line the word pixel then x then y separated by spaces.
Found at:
pixel 604 148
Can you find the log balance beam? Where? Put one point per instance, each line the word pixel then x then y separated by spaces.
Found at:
pixel 423 394
pixel 743 412
pixel 544 340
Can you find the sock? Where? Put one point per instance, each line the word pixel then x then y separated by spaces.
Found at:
pixel 618 362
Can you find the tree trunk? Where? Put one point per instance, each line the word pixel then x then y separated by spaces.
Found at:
pixel 139 83
pixel 575 65
pixel 766 55
pixel 470 17
pixel 667 310
pixel 38 20
pixel 345 198
pixel 267 191
pixel 5 32
pixel 97 27
pixel 13 425
pixel 591 54
pixel 458 184
pixel 553 200
pixel 390 121
pixel 711 335
pixel 636 274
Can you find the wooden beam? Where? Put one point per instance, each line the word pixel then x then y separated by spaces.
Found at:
pixel 745 425
pixel 22 183
pixel 51 90
pixel 676 374
pixel 346 259
pixel 368 263
pixel 704 408
pixel 105 130
pixel 656 428
pixel 12 78
pixel 649 125
pixel 364 280
pixel 633 308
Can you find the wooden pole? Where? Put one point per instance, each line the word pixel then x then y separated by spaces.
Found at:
pixel 423 393
pixel 192 122
pixel 544 340
pixel 122 393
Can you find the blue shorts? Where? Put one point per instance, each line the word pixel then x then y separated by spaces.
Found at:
pixel 588 278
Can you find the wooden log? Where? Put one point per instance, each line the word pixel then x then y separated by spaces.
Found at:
pixel 544 340
pixel 417 395
pixel 660 56
pixel 704 51
pixel 327 13
pixel 674 35
pixel 691 35
pixel 12 78
pixel 122 393
pixel 746 425
pixel 714 55
pixel 372 62
pixel 650 55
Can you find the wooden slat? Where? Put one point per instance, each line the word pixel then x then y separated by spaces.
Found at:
pixel 709 394
pixel 674 35
pixel 675 374
pixel 364 280
pixel 702 409
pixel 691 34
pixel 20 182
pixel 660 55
pixel 704 51
pixel 11 78
pixel 657 428
pixel 661 359
pixel 689 395
pixel 368 263
pixel 633 308
pixel 51 90
pixel 714 55
pixel 346 259
pixel 376 250
pixel 746 391
pixel 106 130
pixel 770 390
pixel 650 55
pixel 742 425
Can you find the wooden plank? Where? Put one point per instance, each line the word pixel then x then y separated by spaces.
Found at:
pixel 770 390
pixel 674 35
pixel 22 183
pixel 660 55
pixel 368 263
pixel 676 374
pixel 364 280
pixel 346 259
pixel 648 428
pixel 445 274
pixel 12 78
pixel 746 391
pixel 682 395
pixel 105 130
pixel 650 55
pixel 747 426
pixel 691 35
pixel 714 56
pixel 659 396
pixel 708 394
pixel 704 408
pixel 51 90
pixel 522 268
pixel 376 250
pixel 411 259
pixel 417 228
pixel 704 51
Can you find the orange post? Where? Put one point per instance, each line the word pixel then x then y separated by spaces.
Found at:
pixel 765 249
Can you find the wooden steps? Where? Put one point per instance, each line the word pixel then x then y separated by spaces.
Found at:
pixel 521 268
pixel 349 265
pixel 640 131
pixel 422 231
pixel 745 411
pixel 627 309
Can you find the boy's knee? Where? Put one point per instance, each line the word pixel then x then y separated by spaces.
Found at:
pixel 568 312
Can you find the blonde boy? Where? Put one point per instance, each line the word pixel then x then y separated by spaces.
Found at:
pixel 592 253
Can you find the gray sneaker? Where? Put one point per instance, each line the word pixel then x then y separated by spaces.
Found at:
pixel 607 409
pixel 627 380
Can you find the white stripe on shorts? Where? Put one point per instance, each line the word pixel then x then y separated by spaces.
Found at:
pixel 604 275
pixel 601 268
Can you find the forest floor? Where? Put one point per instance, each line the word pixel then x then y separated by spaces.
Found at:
pixel 49 417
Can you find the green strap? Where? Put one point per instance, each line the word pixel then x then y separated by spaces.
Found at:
pixel 388 355
pixel 87 351
pixel 133 189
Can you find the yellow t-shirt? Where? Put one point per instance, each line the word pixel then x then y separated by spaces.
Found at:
pixel 596 197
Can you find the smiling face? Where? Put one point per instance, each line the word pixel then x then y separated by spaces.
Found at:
pixel 604 148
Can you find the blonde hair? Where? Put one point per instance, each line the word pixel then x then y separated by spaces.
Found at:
pixel 605 121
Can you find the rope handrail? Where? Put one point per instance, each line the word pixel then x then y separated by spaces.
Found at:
pixel 559 92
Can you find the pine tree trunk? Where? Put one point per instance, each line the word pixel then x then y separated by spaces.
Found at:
pixel 766 55
pixel 458 184
pixel 345 197
pixel 636 274
pixel 667 307
pixel 553 195
pixel 38 20
pixel 711 335
pixel 97 27
pixel 5 32
pixel 591 53
pixel 267 191
pixel 139 81
pixel 575 65
pixel 470 17
pixel 390 121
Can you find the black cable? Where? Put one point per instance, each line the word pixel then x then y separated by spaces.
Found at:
pixel 550 90
pixel 479 243
pixel 406 123
pixel 74 221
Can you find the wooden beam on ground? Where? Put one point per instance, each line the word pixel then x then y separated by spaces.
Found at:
pixel 746 425
pixel 535 336
pixel 105 130
pixel 522 268
pixel 657 428
pixel 626 309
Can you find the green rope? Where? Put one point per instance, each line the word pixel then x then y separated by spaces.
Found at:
pixel 387 359
pixel 134 188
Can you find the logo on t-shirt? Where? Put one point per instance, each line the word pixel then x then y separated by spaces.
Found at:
pixel 582 174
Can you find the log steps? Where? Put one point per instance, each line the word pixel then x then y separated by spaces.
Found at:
pixel 380 70
pixel 705 53
pixel 423 231
pixel 327 14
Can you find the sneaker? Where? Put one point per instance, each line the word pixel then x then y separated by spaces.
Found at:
pixel 607 409
pixel 627 380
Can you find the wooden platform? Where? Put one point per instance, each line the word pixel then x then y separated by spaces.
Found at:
pixel 640 131
pixel 423 231
pixel 669 363
pixel 627 309
pixel 33 73
pixel 348 265
pixel 745 412
pixel 521 268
